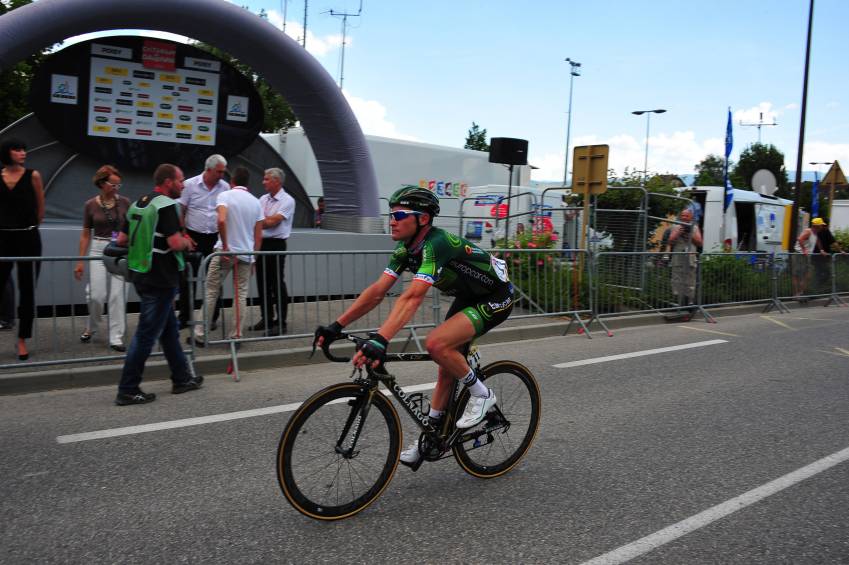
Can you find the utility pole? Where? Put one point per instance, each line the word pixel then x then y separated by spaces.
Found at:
pixel 345 16
pixel 759 124
pixel 284 7
pixel 304 38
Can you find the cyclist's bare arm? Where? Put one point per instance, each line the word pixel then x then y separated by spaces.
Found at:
pixel 367 300
pixel 402 312
pixel 404 309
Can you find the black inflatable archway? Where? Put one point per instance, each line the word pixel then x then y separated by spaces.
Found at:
pixel 347 173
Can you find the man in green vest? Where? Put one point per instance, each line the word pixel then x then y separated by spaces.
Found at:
pixel 156 243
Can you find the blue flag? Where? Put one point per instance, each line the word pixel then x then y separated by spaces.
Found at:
pixel 815 200
pixel 729 143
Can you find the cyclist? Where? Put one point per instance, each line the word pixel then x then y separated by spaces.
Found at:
pixel 457 267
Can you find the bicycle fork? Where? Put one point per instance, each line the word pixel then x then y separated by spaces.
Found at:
pixel 356 419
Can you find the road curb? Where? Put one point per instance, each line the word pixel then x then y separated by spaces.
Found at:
pixel 78 377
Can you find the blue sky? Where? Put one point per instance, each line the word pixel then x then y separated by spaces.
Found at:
pixel 425 70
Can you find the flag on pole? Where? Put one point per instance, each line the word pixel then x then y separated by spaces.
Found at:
pixel 815 200
pixel 729 143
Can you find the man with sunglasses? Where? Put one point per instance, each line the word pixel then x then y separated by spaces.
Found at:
pixel 457 267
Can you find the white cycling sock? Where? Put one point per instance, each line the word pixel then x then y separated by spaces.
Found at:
pixel 435 414
pixel 475 386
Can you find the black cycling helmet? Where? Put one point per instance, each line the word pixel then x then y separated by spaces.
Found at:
pixel 416 198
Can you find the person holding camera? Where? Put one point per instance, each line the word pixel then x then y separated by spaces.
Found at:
pixel 684 241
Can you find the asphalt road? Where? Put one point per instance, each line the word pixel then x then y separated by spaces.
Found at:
pixel 690 453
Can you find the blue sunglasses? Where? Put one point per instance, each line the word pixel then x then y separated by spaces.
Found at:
pixel 400 215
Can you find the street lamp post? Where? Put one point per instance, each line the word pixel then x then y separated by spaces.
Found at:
pixel 572 74
pixel 648 114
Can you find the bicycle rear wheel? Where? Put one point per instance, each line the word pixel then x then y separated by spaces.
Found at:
pixel 319 473
pixel 496 445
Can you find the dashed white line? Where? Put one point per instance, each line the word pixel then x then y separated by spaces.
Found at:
pixel 639 353
pixel 186 422
pixel 702 519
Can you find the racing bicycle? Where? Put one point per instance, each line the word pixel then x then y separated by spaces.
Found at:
pixel 341 447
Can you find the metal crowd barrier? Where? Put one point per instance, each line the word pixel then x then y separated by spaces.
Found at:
pixel 572 284
pixel 61 313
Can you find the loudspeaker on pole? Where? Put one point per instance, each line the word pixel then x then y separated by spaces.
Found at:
pixel 508 150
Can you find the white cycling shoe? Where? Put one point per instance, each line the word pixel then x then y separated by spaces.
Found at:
pixel 476 409
pixel 411 455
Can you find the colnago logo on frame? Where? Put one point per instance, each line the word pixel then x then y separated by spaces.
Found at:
pixel 406 401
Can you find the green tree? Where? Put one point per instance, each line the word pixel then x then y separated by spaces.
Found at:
pixel 476 139
pixel 15 80
pixel 759 156
pixel 277 112
pixel 710 171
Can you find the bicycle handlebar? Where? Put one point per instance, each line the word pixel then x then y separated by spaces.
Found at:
pixel 325 347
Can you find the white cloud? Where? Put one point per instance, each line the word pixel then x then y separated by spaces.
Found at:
pixel 676 153
pixel 371 115
pixel 791 106
pixel 821 151
pixel 753 115
pixel 832 105
pixel 316 46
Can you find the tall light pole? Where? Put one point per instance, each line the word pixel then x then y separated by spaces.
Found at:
pixel 648 114
pixel 573 72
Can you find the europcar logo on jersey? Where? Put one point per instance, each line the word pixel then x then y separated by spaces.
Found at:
pixel 445 188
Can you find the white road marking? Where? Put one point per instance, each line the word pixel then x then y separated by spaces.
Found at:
pixel 702 519
pixel 695 329
pixel 186 422
pixel 639 353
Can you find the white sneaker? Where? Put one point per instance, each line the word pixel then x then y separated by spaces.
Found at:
pixel 411 455
pixel 476 409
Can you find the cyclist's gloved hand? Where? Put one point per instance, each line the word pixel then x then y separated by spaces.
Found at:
pixel 375 348
pixel 330 333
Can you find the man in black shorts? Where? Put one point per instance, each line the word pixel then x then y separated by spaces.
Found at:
pixel 457 267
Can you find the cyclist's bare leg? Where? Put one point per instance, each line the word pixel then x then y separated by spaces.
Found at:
pixel 445 344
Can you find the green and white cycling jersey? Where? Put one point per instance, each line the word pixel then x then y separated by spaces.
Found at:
pixel 454 265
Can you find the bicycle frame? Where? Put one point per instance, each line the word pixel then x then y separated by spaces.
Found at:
pixel 370 383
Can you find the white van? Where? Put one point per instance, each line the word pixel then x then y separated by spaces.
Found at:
pixel 753 221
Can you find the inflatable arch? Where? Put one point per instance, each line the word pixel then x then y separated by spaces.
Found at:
pixel 347 172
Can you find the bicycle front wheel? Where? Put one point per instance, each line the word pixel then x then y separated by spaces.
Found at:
pixel 496 445
pixel 339 451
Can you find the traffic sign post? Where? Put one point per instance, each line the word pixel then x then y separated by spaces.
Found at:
pixel 833 177
pixel 589 176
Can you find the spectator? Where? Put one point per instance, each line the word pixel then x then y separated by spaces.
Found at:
pixel 200 219
pixel 21 212
pixel 240 222
pixel 319 211
pixel 104 215
pixel 7 305
pixel 684 239
pixel 823 247
pixel 800 268
pixel 155 259
pixel 278 208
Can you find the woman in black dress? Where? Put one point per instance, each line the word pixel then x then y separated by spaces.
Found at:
pixel 21 212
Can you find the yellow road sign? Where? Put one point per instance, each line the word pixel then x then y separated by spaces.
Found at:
pixel 589 175
pixel 834 175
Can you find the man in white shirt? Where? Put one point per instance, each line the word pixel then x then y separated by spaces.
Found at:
pixel 239 222
pixel 278 209
pixel 198 204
